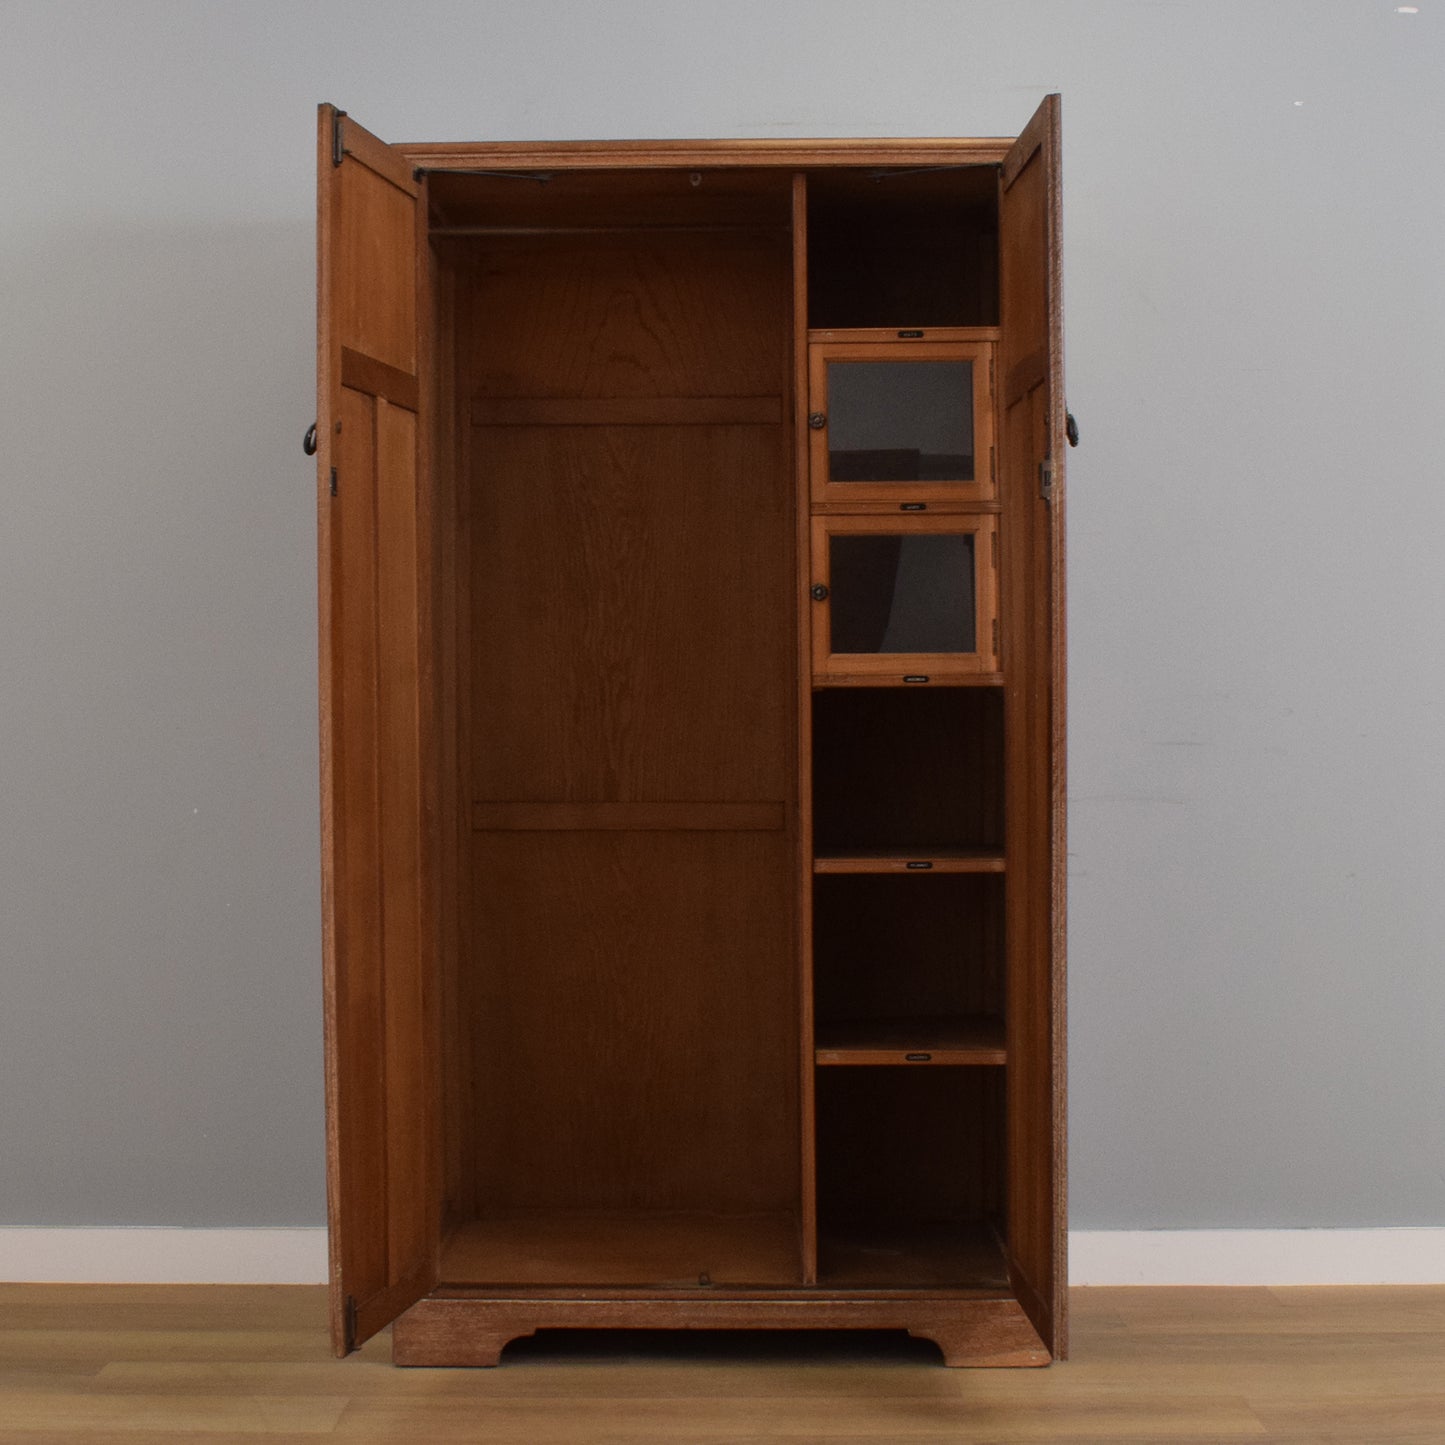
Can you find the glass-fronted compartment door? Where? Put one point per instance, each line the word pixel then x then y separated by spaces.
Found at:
pixel 901 421
pixel 905 600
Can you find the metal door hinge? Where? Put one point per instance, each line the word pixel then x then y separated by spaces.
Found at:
pixel 1046 481
pixel 333 481
pixel 348 1323
pixel 995 637
pixel 338 141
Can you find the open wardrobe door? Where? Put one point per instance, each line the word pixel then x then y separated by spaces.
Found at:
pixel 382 1169
pixel 1032 486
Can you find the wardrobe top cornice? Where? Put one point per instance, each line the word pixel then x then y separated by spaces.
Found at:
pixel 629 154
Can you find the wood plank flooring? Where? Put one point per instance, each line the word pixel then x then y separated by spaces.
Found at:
pixel 102 1365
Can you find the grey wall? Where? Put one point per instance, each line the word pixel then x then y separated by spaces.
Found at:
pixel 1255 305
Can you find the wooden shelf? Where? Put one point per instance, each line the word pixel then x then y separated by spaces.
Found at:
pixel 954 1256
pixel 622 1247
pixel 909 333
pixel 934 677
pixel 970 1040
pixel 925 860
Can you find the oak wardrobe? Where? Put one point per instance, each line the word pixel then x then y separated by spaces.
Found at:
pixel 691 616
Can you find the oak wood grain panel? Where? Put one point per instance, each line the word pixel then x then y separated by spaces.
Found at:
pixel 376 931
pixel 375 239
pixel 406 927
pixel 909 1042
pixel 1032 1230
pixel 636 1022
pixel 628 632
pixel 1033 644
pixel 627 411
pixel 638 316
pixel 630 544
pixel 912 680
pixel 1025 372
pixel 693 154
pixel 630 658
pixel 440 805
pixel 892 861
pixel 365 373
pixel 946 504
pixel 384 1188
pixel 690 817
pixel 654 1248
pixel 803 725
pixel 871 334
pixel 358 1109
pixel 441 443
pixel 358 145
pixel 913 1256
pixel 616 199
pixel 1041 130
pixel 328 420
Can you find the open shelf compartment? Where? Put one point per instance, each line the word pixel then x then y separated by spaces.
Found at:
pixel 907 773
pixel 910 1178
pixel 909 966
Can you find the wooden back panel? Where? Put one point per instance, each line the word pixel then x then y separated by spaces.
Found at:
pixel 630 985
pixel 1031 611
pixel 374 576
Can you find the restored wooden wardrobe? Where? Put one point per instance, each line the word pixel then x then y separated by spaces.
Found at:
pixel 692 663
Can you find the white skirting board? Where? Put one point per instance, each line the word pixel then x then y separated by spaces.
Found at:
pixel 1257 1256
pixel 159 1255
pixel 1096 1257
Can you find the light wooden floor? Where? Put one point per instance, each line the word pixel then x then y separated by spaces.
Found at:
pixel 87 1365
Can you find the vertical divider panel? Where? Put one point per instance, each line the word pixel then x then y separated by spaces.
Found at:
pixel 440 441
pixel 804 613
pixel 436 680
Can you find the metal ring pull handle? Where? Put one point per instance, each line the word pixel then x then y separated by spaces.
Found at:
pixel 308 445
pixel 1071 429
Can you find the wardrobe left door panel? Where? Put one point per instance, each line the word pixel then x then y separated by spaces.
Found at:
pixel 383 1181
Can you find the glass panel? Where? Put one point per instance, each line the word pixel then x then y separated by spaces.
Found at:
pixel 900 421
pixel 892 593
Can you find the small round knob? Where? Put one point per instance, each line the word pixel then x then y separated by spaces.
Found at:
pixel 817 420
pixel 818 592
